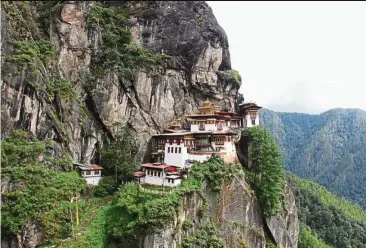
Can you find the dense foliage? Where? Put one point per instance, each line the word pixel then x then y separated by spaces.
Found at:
pixel 106 186
pixel 95 235
pixel 35 189
pixel 328 148
pixel 265 170
pixel 338 223
pixel 309 239
pixel 117 52
pixel 141 212
pixel 118 155
pixel 206 237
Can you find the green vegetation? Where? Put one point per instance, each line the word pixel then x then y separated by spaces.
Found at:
pixel 118 156
pixel 270 243
pixel 265 170
pixel 236 76
pixel 338 223
pixel 38 193
pixel 95 235
pixel 187 224
pixel 309 239
pixel 326 148
pixel 35 54
pixel 141 212
pixel 350 209
pixel 206 237
pixel 117 53
pixel 107 186
pixel 26 51
pixel 21 17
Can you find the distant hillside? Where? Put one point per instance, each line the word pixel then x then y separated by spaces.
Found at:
pixel 326 220
pixel 329 148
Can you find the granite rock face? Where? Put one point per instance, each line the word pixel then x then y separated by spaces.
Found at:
pixel 285 229
pixel 238 217
pixel 199 69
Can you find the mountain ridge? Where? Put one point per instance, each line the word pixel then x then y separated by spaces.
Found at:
pixel 327 148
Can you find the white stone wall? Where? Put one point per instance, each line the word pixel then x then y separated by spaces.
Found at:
pixel 92 174
pixel 154 180
pixel 92 180
pixel 208 127
pixel 173 184
pixel 194 128
pixel 229 146
pixel 177 159
pixel 249 121
pixel 199 157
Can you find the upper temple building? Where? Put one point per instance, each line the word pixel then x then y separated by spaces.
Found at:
pixel 211 132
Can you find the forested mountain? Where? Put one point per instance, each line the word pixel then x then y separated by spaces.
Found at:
pixel 326 220
pixel 329 148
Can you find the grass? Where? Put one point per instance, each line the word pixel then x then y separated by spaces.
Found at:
pixel 158 188
pixel 92 205
pixel 95 235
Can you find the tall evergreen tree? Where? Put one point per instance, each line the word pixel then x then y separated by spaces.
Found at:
pixel 267 170
pixel 118 156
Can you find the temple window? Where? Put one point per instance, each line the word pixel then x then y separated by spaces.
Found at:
pixel 176 149
pixel 96 172
pixel 180 149
pixel 253 122
pixel 168 149
pixel 202 126
pixel 219 126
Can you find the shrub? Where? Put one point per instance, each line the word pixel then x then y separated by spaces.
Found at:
pixel 107 186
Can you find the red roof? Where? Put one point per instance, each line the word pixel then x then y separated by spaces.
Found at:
pixel 139 174
pixel 250 106
pixel 91 167
pixel 205 116
pixel 158 166
pixel 225 113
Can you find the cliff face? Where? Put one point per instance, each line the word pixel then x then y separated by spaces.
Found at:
pixel 237 214
pixel 199 68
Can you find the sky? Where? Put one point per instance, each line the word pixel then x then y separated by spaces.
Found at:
pixel 304 57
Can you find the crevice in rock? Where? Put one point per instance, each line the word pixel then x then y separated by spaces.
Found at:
pixel 91 106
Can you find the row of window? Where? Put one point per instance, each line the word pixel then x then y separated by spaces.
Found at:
pixel 176 150
pixel 203 122
pixel 170 180
pixel 154 173
pixel 246 123
pixel 88 173
pixel 218 140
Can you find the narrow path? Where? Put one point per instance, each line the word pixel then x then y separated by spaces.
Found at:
pixel 85 224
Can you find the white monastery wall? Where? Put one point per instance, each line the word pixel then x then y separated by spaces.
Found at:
pixel 92 180
pixel 173 158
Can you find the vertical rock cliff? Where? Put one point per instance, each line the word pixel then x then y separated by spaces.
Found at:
pixel 198 68
pixel 237 214
pixel 45 91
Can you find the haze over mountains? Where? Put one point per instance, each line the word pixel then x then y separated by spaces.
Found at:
pixel 329 148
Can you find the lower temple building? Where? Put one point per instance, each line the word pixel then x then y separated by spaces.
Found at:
pixel 211 132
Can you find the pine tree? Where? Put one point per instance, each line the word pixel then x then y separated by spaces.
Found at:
pixel 119 155
pixel 267 170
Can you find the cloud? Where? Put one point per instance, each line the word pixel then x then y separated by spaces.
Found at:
pixel 291 61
